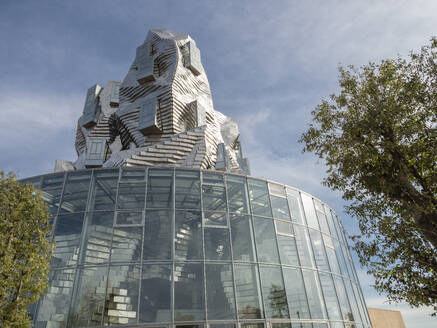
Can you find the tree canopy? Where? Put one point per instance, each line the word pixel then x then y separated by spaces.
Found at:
pixel 25 250
pixel 378 138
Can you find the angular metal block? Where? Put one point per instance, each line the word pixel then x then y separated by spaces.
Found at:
pixel 91 109
pixel 147 120
pixel 244 164
pixel 96 152
pixel 115 94
pixel 199 113
pixel 192 58
pixel 63 166
pixel 222 162
pixel 145 63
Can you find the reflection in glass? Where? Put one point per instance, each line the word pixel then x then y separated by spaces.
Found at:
pixel 129 174
pixel 213 178
pixel 217 244
pixel 280 208
pixel 310 213
pixel 127 244
pixel 284 228
pixel 265 240
pixel 330 296
pixel 187 189
pixel 158 235
pixel 280 325
pixel 303 245
pixel 259 197
pixel 131 195
pixel 330 221
pixel 51 198
pixel 276 189
pixel 352 300
pixel 121 302
pixel 222 325
pixel 315 299
pixel 252 325
pixel 248 292
pixel 103 190
pixel 214 198
pixel 160 188
pixel 340 258
pixel 215 219
pixel 88 304
pixel 129 218
pixel 320 211
pixel 332 259
pixel 98 237
pixel 296 295
pixel 361 306
pixel 155 298
pixel 238 200
pixel 275 299
pixel 295 206
pixel 67 237
pixel 75 193
pixel 342 298
pixel 188 235
pixel 52 181
pixel 219 291
pixel 54 305
pixel 188 292
pixel 288 250
pixel 319 250
pixel 243 245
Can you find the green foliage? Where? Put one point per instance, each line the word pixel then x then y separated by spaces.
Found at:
pixel 25 250
pixel 378 138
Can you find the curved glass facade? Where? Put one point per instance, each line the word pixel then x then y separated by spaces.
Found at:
pixel 168 247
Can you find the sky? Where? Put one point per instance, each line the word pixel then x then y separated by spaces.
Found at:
pixel 269 63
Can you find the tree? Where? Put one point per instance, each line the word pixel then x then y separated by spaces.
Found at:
pixel 25 250
pixel 378 138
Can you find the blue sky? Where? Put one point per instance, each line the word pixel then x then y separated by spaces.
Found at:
pixel 269 64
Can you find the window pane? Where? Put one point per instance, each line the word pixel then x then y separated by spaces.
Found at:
pixel 213 178
pixel 75 192
pixel 284 228
pixel 133 174
pixel 319 250
pixel 188 292
pixel 259 197
pixel 54 305
pixel 276 189
pixel 280 208
pixel 310 213
pixel 315 299
pixel 265 240
pixel 330 296
pixel 237 194
pixel 129 218
pixel 320 211
pixel 330 221
pixel 127 244
pixel 98 237
pixel 122 295
pixel 214 198
pixel 90 297
pixel 217 244
pixel 361 308
pixel 104 188
pixel 248 292
pixel 340 258
pixel 188 235
pixel 296 295
pixel 67 237
pixel 220 291
pixel 155 298
pixel 332 259
pixel 160 188
pixel 288 250
pixel 243 245
pixel 131 195
pixel 187 189
pixel 52 181
pixel 52 198
pixel 342 298
pixel 352 301
pixel 215 219
pixel 158 235
pixel 275 299
pixel 303 246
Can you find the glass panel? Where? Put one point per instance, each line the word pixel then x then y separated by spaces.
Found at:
pixel 214 198
pixel 75 192
pixel 155 296
pixel 127 244
pixel 160 188
pixel 237 194
pixel 133 175
pixel 342 298
pixel 51 198
pixel 265 240
pixel 280 208
pixel 248 292
pixel 330 296
pixel 54 305
pixel 310 213
pixel 129 218
pixel 301 325
pixel 213 178
pixel 284 228
pixel 330 221
pixel 215 219
pixel 188 292
pixel 187 189
pixel 336 324
pixel 361 308
pixel 220 292
pixel 222 325
pixel 52 181
pixel 259 197
pixel 98 237
pixel 332 258
pixel 252 325
pixel 280 325
pixel 121 302
pixel 295 206
pixel 288 250
pixel 352 301
pixel 243 245
pixel 276 189
pixel 275 299
pixel 321 216
pixel 158 233
pixel 296 295
pixel 67 237
pixel 315 299
pixel 340 258
pixel 188 235
pixel 319 250
pixel 104 188
pixel 90 297
pixel 303 246
pixel 131 195
pixel 217 244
